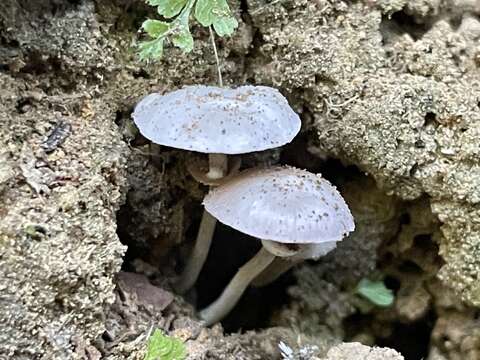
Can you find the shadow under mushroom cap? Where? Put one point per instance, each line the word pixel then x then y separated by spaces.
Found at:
pixel 282 204
pixel 210 119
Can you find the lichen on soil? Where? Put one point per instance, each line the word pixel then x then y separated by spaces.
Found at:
pixel 95 222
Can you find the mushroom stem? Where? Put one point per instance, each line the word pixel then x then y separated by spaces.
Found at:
pixel 277 268
pixel 218 164
pixel 218 168
pixel 199 254
pixel 234 290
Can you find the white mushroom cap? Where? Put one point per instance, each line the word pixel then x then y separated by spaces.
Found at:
pixel 210 119
pixel 282 204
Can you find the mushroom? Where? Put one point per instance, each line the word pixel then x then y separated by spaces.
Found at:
pixel 295 213
pixel 219 122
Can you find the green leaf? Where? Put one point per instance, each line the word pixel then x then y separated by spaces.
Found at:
pixel 168 8
pixel 161 347
pixel 216 13
pixel 152 49
pixel 183 40
pixel 375 292
pixel 225 26
pixel 155 28
pixel 182 37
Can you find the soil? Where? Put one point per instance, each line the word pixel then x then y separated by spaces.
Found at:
pixel 96 222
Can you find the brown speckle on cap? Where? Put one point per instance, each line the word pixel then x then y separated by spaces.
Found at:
pixel 277 203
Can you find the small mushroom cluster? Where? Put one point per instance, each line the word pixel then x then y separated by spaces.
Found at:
pixel 296 214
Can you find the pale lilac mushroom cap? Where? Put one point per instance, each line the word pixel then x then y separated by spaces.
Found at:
pixel 210 119
pixel 285 205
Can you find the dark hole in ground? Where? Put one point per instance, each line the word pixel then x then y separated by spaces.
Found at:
pixel 119 117
pixel 141 73
pixel 405 219
pixel 410 267
pixel 356 324
pixel 392 283
pixel 296 154
pixel 425 242
pixel 412 340
pixel 230 250
pixel 135 249
pixel 410 24
pixel 401 22
pixel 431 119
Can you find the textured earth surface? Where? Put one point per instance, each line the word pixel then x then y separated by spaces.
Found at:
pixel 388 88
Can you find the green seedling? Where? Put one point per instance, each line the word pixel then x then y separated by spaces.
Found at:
pixel 177 13
pixel 162 347
pixel 376 292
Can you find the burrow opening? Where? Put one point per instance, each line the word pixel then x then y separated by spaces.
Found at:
pixel 412 339
pixel 231 249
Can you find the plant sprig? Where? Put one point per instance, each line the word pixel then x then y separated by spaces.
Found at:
pixel 162 347
pixel 215 13
pixel 376 292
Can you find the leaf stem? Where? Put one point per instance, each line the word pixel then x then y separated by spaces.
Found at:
pixel 187 9
pixel 219 71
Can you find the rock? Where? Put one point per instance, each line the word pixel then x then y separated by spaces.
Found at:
pixel 146 293
pixel 357 351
